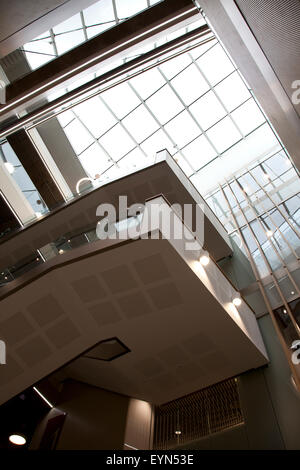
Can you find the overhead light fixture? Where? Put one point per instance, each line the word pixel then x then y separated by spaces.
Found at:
pixel 60 251
pixel 269 233
pixel 237 300
pixel 204 258
pixel 17 439
pixel 177 432
pixel 292 292
pixel 10 168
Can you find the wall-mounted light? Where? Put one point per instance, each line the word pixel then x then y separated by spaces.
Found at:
pixel 237 300
pixel 17 439
pixel 204 258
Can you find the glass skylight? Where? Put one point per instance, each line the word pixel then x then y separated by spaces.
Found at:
pixel 92 21
pixel 195 105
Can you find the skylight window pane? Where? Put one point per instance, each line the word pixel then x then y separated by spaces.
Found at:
pixel 256 145
pixel 121 99
pixel 155 143
pixel 232 91
pixel 65 118
pixel 114 172
pixel 248 184
pixel 224 134
pixel 39 52
pixel 117 142
pixel 190 84
pixel 134 161
pixel 94 161
pixel 69 25
pixel 248 116
pixel 126 9
pixel 200 50
pixel 79 138
pixel 147 83
pixel 207 110
pixel 174 66
pixel 100 12
pixel 164 104
pixel 93 31
pixel 95 116
pixel 278 163
pixel 182 129
pixel 140 123
pixel 199 152
pixel 215 64
pixel 67 41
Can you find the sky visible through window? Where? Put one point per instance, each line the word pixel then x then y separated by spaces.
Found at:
pixel 81 27
pixel 195 105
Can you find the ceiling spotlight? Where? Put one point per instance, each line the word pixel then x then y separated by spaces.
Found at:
pixel 236 300
pixel 284 311
pixel 269 233
pixel 60 251
pixel 177 432
pixel 292 292
pixel 10 168
pixel 17 439
pixel 204 258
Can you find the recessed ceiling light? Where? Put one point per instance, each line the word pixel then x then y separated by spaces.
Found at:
pixel 204 259
pixel 17 439
pixel 269 233
pixel 292 292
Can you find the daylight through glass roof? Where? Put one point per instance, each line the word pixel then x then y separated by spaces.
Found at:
pixel 81 27
pixel 195 105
